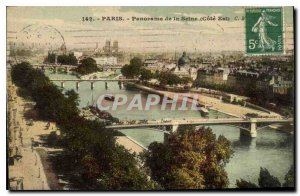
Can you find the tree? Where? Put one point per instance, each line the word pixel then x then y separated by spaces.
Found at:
pixel 289 179
pixel 90 169
pixel 130 71
pixel 168 78
pixel 50 58
pixel 124 173
pixel 135 61
pixel 48 101
pixel 116 168
pixel 266 180
pixel 29 79
pixel 20 74
pixel 67 59
pixel 62 59
pixel 146 74
pixel 52 138
pixel 72 96
pixel 87 66
pixel 38 80
pixel 91 148
pixel 243 184
pixel 186 80
pixel 133 69
pixel 189 159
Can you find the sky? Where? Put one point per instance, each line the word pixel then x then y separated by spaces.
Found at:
pixel 55 25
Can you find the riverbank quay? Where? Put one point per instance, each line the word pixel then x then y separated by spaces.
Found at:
pixel 213 103
pixel 26 168
pixel 99 75
pixel 130 144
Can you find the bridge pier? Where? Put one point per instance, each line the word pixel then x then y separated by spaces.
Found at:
pixel 175 127
pixel 120 84
pixel 77 85
pixel 62 84
pixel 166 138
pixel 92 85
pixel 253 131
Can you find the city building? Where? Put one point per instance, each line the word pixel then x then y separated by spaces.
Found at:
pixel 78 55
pixel 106 47
pixel 111 60
pixel 109 48
pixel 115 48
pixel 281 85
pixel 150 62
pixel 63 48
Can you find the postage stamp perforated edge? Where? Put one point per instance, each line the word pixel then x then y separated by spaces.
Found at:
pixel 265 53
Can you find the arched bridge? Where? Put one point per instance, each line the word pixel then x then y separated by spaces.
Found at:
pixel 92 81
pixel 229 121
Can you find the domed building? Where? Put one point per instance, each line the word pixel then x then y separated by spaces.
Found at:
pixel 183 66
pixel 183 60
pixel 63 48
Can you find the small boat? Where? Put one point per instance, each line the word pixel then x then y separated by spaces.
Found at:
pixel 109 97
pixel 204 112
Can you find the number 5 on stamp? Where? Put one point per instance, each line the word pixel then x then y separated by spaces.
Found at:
pixel 264 34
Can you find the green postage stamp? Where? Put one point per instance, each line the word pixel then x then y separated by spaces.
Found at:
pixel 264 33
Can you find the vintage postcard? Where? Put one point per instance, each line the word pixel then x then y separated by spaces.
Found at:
pixel 150 98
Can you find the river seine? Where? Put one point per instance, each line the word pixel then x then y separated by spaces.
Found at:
pixel 271 149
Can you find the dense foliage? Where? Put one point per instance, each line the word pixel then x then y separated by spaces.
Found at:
pixel 168 78
pixel 243 184
pixel 266 180
pixel 289 179
pixel 92 150
pixel 67 59
pixel 135 69
pixel 61 59
pixel 190 159
pixel 87 66
pixel 258 96
pixel 146 74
